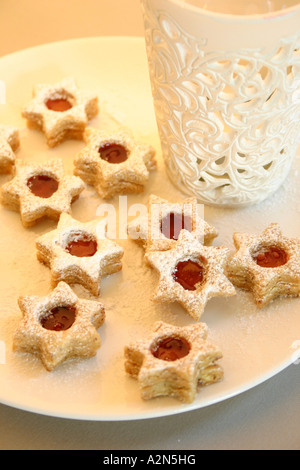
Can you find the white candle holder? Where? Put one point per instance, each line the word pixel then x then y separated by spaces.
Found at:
pixel 226 92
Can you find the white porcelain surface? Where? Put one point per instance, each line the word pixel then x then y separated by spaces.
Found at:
pixel 256 344
pixel 243 7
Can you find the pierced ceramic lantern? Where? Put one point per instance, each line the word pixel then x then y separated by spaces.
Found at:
pixel 226 92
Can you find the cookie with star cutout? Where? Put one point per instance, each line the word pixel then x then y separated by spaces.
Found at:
pixel 60 110
pixel 39 190
pixel 191 274
pixel 268 265
pixel 79 253
pixel 114 163
pixel 159 229
pixel 174 361
pixel 59 327
pixel 9 143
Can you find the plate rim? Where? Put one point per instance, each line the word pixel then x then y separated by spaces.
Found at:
pixel 152 414
pixel 73 40
pixel 248 386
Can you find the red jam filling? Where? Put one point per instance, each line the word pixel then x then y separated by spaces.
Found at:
pixel 272 257
pixel 42 186
pixel 59 319
pixel 84 247
pixel 59 105
pixel 189 274
pixel 172 224
pixel 171 349
pixel 113 153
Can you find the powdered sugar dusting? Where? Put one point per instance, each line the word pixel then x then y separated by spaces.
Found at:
pixel 254 343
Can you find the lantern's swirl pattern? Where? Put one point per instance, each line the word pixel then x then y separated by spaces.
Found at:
pixel 229 122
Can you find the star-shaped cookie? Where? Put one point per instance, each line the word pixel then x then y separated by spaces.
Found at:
pixel 160 228
pixel 191 274
pixel 40 190
pixel 59 327
pixel 9 143
pixel 60 110
pixel 79 253
pixel 174 361
pixel 268 264
pixel 114 163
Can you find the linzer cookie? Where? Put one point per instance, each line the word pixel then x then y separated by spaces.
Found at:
pixel 61 111
pixel 174 361
pixel 79 253
pixel 160 228
pixel 59 327
pixel 114 163
pixel 40 190
pixel 191 274
pixel 9 143
pixel 268 265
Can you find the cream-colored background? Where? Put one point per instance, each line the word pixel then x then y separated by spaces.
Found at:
pixel 266 417
pixel 26 23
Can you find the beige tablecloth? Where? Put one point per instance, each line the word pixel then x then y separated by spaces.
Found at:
pixel 266 417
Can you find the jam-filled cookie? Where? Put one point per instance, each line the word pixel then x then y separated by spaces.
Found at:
pixel 60 110
pixel 160 228
pixel 79 253
pixel 9 143
pixel 59 327
pixel 114 163
pixel 268 264
pixel 191 274
pixel 174 361
pixel 40 190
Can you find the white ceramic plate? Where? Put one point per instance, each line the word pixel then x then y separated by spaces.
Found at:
pixel 256 344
